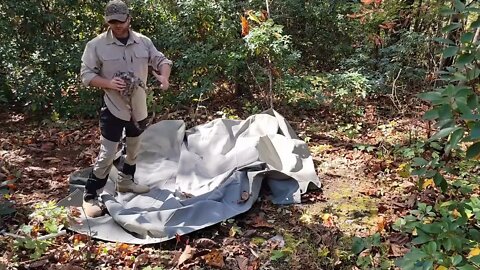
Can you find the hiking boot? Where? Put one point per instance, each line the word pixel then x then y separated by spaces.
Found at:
pixel 92 207
pixel 125 183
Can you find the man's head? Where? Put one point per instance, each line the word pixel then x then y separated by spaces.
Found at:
pixel 118 18
pixel 116 10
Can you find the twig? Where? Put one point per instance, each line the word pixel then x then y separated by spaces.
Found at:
pixel 198 107
pixel 268 8
pixel 52 235
pixel 41 238
pixel 270 81
pixel 255 78
pixel 29 262
pixel 393 96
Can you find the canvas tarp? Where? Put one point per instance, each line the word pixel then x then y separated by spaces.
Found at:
pixel 199 177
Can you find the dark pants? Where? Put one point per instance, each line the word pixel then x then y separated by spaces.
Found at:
pixel 111 129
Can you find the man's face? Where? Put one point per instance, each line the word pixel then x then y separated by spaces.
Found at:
pixel 120 29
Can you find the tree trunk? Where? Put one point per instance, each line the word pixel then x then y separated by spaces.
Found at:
pixel 418 17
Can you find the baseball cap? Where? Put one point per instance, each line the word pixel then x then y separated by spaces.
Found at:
pixel 116 10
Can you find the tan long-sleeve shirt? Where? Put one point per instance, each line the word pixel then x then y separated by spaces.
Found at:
pixel 105 55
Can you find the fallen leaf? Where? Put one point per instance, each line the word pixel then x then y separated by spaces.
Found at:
pixel 428 183
pixel 249 233
pixel 187 254
pixel 403 170
pixel 47 146
pixel 381 223
pixel 276 241
pixel 328 220
pixel 214 258
pixel 398 250
pixel 259 221
pixel 12 186
pixel 51 159
pixel 204 243
pixel 399 238
pixel 234 230
pixel 70 267
pixel 373 192
pixel 242 262
pixel 80 238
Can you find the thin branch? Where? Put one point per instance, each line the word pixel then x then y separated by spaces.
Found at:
pixel 393 95
pixel 255 78
pixel 268 8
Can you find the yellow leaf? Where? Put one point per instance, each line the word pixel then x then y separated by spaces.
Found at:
pixel 404 170
pixel 234 230
pixel 327 220
pixel 381 223
pixel 455 213
pixel 306 218
pixel 474 252
pixel 428 183
pixel 441 267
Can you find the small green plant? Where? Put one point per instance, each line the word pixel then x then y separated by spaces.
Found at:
pixel 444 235
pixel 228 113
pixel 251 108
pixel 270 47
pixel 365 147
pixel 347 89
pixel 7 206
pixel 367 248
pixel 47 218
pixel 350 130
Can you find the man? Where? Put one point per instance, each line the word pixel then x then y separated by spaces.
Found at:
pixel 119 49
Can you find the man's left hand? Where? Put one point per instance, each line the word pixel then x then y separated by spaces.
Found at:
pixel 164 84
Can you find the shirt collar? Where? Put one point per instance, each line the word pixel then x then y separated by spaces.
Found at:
pixel 133 38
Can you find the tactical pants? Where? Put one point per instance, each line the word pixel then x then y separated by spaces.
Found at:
pixel 111 129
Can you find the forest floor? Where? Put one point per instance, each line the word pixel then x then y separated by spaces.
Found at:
pixel 361 163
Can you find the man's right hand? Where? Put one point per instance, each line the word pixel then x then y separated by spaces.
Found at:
pixel 117 84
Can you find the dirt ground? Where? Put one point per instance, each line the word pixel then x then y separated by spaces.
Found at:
pixel 362 193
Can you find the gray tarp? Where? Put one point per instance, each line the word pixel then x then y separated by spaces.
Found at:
pixel 201 176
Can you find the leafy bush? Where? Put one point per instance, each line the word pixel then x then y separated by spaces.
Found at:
pixel 446 233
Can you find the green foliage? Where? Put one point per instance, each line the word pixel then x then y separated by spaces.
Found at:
pixel 47 218
pixel 346 90
pixel 443 233
pixel 7 206
pixel 320 30
pixel 366 247
pixel 42 45
pixel 454 108
pixel 270 51
pixel 342 91
pixel 400 61
pixel 446 233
